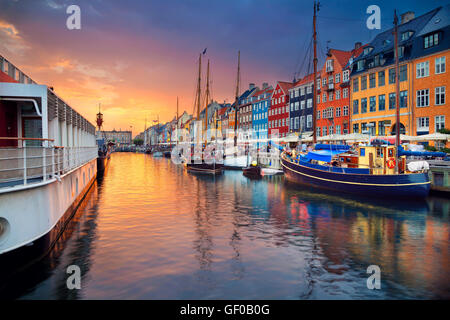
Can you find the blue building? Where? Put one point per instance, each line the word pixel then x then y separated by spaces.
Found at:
pixel 301 105
pixel 260 108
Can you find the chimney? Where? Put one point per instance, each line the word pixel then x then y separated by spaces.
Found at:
pixel 251 86
pixel 406 17
pixel 265 85
pixel 358 45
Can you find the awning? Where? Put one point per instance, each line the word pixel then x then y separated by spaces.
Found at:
pixel 322 155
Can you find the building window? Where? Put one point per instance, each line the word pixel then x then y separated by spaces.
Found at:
pixel 381 102
pixel 381 78
pixel 296 123
pixel 330 96
pixel 439 96
pixel 302 104
pixel 324 131
pixel 318 98
pixel 391 76
pixel 338 94
pixel 403 99
pixel 324 97
pixel 392 101
pixel 439 123
pixel 318 84
pixel 318 131
pixel 337 78
pixel 309 103
pixel 360 65
pixel 356 127
pixel 372 81
pixel 302 91
pixel 345 110
pixel 346 75
pixel 423 124
pixel 355 84
pixel 318 114
pixel 363 105
pixel 355 106
pixel 345 93
pixel 363 82
pixel 324 82
pixel 423 98
pixel 403 73
pixel 422 69
pixel 431 40
pixel 338 112
pixel 338 129
pixel 373 104
pixel 309 89
pixel 439 64
pixel 309 121
pixel 296 106
pixel 292 106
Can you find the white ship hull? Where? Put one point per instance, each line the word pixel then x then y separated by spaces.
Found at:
pixel 33 211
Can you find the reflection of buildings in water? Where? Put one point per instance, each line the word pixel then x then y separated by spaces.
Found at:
pixel 71 248
pixel 407 241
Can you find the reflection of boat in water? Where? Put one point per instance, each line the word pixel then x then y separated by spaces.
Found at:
pixel 21 271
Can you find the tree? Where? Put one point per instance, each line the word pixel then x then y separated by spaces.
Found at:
pixel 138 142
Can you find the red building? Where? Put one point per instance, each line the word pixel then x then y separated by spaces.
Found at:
pixel 279 109
pixel 333 92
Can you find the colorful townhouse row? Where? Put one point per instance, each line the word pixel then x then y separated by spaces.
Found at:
pixel 355 89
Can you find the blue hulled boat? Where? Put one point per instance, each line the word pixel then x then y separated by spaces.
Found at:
pixel 370 170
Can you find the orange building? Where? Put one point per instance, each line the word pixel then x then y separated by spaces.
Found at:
pixel 333 92
pixel 423 52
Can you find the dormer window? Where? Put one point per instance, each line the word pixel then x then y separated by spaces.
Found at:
pixel 360 65
pixel 386 42
pixel 431 40
pixel 367 50
pixel 406 35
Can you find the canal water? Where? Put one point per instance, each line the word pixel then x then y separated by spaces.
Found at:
pixel 150 230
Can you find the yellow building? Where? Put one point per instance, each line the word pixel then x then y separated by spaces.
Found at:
pixel 422 44
pixel 373 101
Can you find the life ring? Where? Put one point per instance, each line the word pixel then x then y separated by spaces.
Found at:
pixel 391 163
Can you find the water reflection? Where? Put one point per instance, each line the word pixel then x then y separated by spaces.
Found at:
pixel 151 230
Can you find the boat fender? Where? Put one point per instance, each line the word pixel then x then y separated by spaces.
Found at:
pixel 391 163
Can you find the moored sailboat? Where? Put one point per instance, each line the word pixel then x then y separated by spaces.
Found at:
pixel 201 165
pixel 373 170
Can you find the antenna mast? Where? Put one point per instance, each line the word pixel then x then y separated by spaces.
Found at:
pixel 237 98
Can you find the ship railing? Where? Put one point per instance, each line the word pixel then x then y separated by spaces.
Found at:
pixel 25 161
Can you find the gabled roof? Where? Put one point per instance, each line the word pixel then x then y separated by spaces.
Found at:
pixel 285 86
pixel 440 20
pixel 306 79
pixel 385 41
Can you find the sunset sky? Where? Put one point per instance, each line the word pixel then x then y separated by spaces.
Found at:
pixel 135 57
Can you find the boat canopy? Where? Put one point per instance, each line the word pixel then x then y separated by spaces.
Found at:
pixel 322 155
pixel 335 147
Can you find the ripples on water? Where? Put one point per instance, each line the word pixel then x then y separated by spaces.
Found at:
pixel 150 230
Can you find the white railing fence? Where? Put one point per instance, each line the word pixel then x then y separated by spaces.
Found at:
pixel 36 161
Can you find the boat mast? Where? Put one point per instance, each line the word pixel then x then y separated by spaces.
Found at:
pixel 397 93
pixel 237 98
pixel 314 115
pixel 177 121
pixel 206 102
pixel 198 95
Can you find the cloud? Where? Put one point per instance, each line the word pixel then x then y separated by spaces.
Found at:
pixel 11 40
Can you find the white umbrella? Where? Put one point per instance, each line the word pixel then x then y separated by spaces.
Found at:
pixel 437 136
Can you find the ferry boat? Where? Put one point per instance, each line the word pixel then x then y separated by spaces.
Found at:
pixel 48 158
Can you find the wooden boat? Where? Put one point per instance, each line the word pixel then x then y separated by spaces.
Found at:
pixel 374 170
pixel 199 165
pixel 356 173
